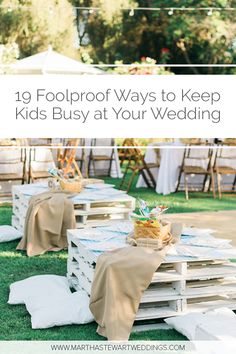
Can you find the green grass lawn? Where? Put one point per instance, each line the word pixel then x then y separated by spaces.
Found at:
pixel 177 202
pixel 15 320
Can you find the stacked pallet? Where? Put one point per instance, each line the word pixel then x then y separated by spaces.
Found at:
pixel 94 206
pixel 180 284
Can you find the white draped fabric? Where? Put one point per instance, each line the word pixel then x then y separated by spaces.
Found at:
pixel 167 174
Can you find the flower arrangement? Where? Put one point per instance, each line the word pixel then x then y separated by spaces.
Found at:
pixel 145 66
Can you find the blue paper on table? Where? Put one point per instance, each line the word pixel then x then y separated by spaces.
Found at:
pixel 114 236
pixel 97 195
pixel 97 235
pixel 206 241
pixel 99 186
pixel 102 241
pixel 38 188
pixel 193 231
pixel 122 227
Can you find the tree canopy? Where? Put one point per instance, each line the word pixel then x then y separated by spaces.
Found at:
pixel 34 25
pixel 108 35
pixel 191 37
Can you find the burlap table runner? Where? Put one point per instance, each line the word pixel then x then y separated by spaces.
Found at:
pixel 48 217
pixel 121 277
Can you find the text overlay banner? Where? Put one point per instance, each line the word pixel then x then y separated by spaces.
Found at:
pixel 168 106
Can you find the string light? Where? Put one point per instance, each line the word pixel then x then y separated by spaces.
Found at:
pixel 210 12
pixel 169 10
pixel 131 13
pixel 50 10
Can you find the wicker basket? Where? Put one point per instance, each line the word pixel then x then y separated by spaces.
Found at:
pixel 87 181
pixel 159 231
pixel 72 185
pixel 169 234
pixel 156 244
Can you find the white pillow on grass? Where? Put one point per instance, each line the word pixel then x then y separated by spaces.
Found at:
pixel 9 233
pixel 59 310
pixel 193 325
pixel 38 286
pixel 186 324
pixel 225 312
pixel 218 324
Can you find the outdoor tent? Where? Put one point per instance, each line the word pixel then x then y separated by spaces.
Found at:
pixel 51 62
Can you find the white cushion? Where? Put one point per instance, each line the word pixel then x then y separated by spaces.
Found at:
pixel 9 233
pixel 222 311
pixel 59 310
pixel 39 285
pixel 185 324
pixel 219 324
pixel 210 325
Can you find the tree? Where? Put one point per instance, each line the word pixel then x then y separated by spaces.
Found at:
pixel 102 32
pixel 192 37
pixel 110 34
pixel 8 53
pixel 201 37
pixel 34 25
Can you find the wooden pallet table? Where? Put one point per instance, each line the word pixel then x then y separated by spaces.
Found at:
pixel 93 207
pixel 178 286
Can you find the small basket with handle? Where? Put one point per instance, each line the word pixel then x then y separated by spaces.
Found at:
pixel 74 185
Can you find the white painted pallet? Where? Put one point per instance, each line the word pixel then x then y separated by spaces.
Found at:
pixel 110 204
pixel 176 288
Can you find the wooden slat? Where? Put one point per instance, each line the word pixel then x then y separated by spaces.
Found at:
pixel 212 272
pixel 150 327
pixel 161 277
pixel 106 202
pixel 83 252
pixel 224 289
pixel 103 210
pixel 202 306
pixel 10 177
pixel 154 313
pixel 82 280
pixel 160 294
pixel 85 267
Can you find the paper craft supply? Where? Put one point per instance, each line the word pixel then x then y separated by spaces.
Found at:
pixel 207 241
pixel 123 227
pixel 193 231
pixel 99 186
pixel 143 208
